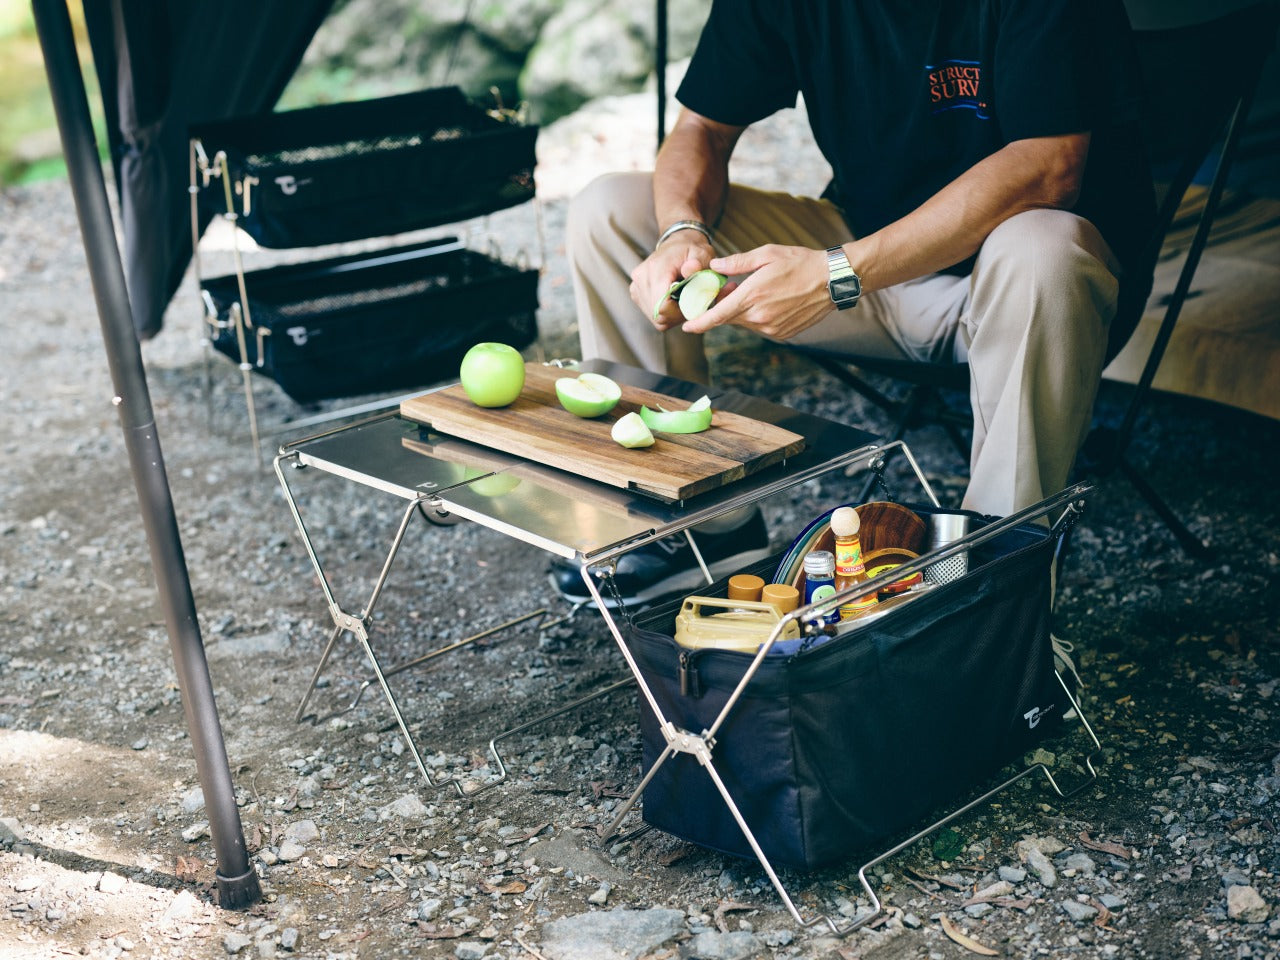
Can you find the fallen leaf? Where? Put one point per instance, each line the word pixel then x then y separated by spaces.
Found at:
pixel 511 886
pixel 399 852
pixel 1114 849
pixel 938 880
pixel 187 869
pixel 676 855
pixel 431 932
pixel 965 941
pixel 529 835
pixel 726 907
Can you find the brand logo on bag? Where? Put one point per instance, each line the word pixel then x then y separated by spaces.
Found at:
pixel 289 184
pixel 1035 715
pixel 299 337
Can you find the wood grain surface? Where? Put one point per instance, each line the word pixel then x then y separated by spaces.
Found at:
pixel 537 428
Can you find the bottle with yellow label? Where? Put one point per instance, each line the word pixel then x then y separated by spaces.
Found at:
pixel 850 569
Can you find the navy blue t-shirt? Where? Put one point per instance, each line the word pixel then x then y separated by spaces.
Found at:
pixel 905 95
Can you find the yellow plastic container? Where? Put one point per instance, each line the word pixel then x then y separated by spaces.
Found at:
pixel 723 624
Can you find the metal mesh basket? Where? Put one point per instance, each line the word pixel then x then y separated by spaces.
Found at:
pixel 390 320
pixel 370 168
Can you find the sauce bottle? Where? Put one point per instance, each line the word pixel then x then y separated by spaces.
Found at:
pixel 819 579
pixel 849 567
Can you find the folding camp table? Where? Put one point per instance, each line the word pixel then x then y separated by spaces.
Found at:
pixel 574 518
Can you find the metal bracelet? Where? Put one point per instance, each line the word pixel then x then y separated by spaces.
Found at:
pixel 679 225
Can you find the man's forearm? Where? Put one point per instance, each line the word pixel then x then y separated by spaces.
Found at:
pixel 953 223
pixel 691 175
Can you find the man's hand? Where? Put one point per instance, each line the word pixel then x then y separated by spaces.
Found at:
pixel 785 292
pixel 683 255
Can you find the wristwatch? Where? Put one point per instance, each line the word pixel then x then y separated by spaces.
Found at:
pixel 843 284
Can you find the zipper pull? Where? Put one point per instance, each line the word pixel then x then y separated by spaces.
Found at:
pixel 688 676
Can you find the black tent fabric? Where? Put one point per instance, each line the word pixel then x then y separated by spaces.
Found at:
pixel 163 65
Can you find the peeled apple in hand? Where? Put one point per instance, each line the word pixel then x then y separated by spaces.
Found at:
pixel 693 420
pixel 492 374
pixel 631 431
pixel 695 293
pixel 588 395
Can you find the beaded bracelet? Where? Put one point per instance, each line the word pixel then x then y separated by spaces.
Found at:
pixel 679 225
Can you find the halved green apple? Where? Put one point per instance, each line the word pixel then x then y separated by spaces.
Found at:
pixel 694 294
pixel 588 395
pixel 694 419
pixel 631 431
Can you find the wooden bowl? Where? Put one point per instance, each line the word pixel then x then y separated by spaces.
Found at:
pixel 884 527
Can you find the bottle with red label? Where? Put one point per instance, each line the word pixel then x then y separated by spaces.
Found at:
pixel 850 568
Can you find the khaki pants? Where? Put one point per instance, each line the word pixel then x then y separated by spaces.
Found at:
pixel 1031 320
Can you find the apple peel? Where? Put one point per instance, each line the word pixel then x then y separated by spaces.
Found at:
pixel 694 419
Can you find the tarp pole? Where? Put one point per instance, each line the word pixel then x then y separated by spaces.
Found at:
pixel 237 883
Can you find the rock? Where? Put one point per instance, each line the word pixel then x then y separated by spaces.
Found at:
pixel 291 850
pixel 1046 845
pixel 193 800
pixel 303 831
pixel 26 884
pixel 428 909
pixel 11 831
pixel 289 938
pixel 1081 863
pixel 470 950
pixel 1112 902
pixel 407 807
pixel 977 910
pixel 619 934
pixel 1041 867
pixel 1079 912
pixel 1246 905
pixel 1013 874
pixel 196 831
pixel 601 895
pixel 737 945
pixel 234 942
pixel 111 882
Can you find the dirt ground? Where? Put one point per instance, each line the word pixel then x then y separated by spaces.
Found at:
pixel 104 849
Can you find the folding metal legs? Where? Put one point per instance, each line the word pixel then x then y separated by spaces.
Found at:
pixel 358 624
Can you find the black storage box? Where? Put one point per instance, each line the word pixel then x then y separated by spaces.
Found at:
pixel 348 171
pixel 845 744
pixel 375 322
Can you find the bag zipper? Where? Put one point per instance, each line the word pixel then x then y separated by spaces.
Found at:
pixel 688 674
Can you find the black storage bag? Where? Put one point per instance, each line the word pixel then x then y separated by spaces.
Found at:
pixel 390 320
pixel 369 168
pixel 843 745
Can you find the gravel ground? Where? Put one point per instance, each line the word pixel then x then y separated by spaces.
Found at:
pixel 104 849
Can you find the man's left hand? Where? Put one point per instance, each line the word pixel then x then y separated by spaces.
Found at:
pixel 784 292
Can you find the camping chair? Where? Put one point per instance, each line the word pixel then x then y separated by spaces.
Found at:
pixel 1218 64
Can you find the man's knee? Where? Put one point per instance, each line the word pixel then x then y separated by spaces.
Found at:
pixel 611 204
pixel 1050 246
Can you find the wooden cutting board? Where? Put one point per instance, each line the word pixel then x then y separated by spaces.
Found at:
pixel 537 428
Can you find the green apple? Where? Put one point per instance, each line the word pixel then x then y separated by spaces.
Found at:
pixel 492 374
pixel 695 294
pixel 588 395
pixel 631 431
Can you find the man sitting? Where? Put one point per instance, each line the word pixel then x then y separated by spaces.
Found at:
pixel 989 203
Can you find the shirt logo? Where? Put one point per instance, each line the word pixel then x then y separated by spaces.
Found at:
pixel 953 85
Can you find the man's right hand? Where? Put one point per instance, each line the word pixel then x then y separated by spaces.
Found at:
pixel 682 255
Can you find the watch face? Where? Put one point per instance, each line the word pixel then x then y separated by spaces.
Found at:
pixel 845 290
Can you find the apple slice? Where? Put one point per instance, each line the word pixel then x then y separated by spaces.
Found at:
pixel 588 395
pixel 694 294
pixel 632 431
pixel 694 419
